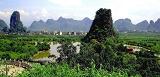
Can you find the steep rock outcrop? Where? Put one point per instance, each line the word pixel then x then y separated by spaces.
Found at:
pixel 16 25
pixel 102 26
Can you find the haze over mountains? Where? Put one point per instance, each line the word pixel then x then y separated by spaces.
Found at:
pixel 62 24
pixel 2 25
pixel 126 25
pixel 71 25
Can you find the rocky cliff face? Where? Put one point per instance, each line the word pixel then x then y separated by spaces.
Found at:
pixel 16 25
pixel 154 26
pixel 157 26
pixel 124 25
pixel 38 26
pixel 2 25
pixel 142 26
pixel 102 26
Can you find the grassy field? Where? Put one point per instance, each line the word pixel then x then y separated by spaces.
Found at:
pixel 139 36
pixel 42 54
pixel 150 41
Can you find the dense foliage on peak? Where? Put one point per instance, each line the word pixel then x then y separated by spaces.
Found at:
pixel 102 26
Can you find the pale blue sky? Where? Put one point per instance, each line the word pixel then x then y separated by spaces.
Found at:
pixel 136 10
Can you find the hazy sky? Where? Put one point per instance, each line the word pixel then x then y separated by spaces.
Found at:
pixel 136 10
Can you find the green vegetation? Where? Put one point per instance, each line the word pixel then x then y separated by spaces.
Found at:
pixel 102 53
pixel 111 55
pixel 11 49
pixel 67 52
pixel 24 46
pixel 102 26
pixel 42 54
pixel 149 41
pixel 41 38
pixel 43 46
pixel 63 70
pixel 95 59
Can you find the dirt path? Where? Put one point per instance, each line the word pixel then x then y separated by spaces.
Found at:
pixel 11 70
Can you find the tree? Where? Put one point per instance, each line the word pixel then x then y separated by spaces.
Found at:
pixel 43 46
pixel 67 52
pixel 6 56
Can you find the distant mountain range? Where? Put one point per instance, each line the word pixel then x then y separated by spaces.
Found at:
pixel 125 25
pixel 62 24
pixel 71 25
pixel 2 25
